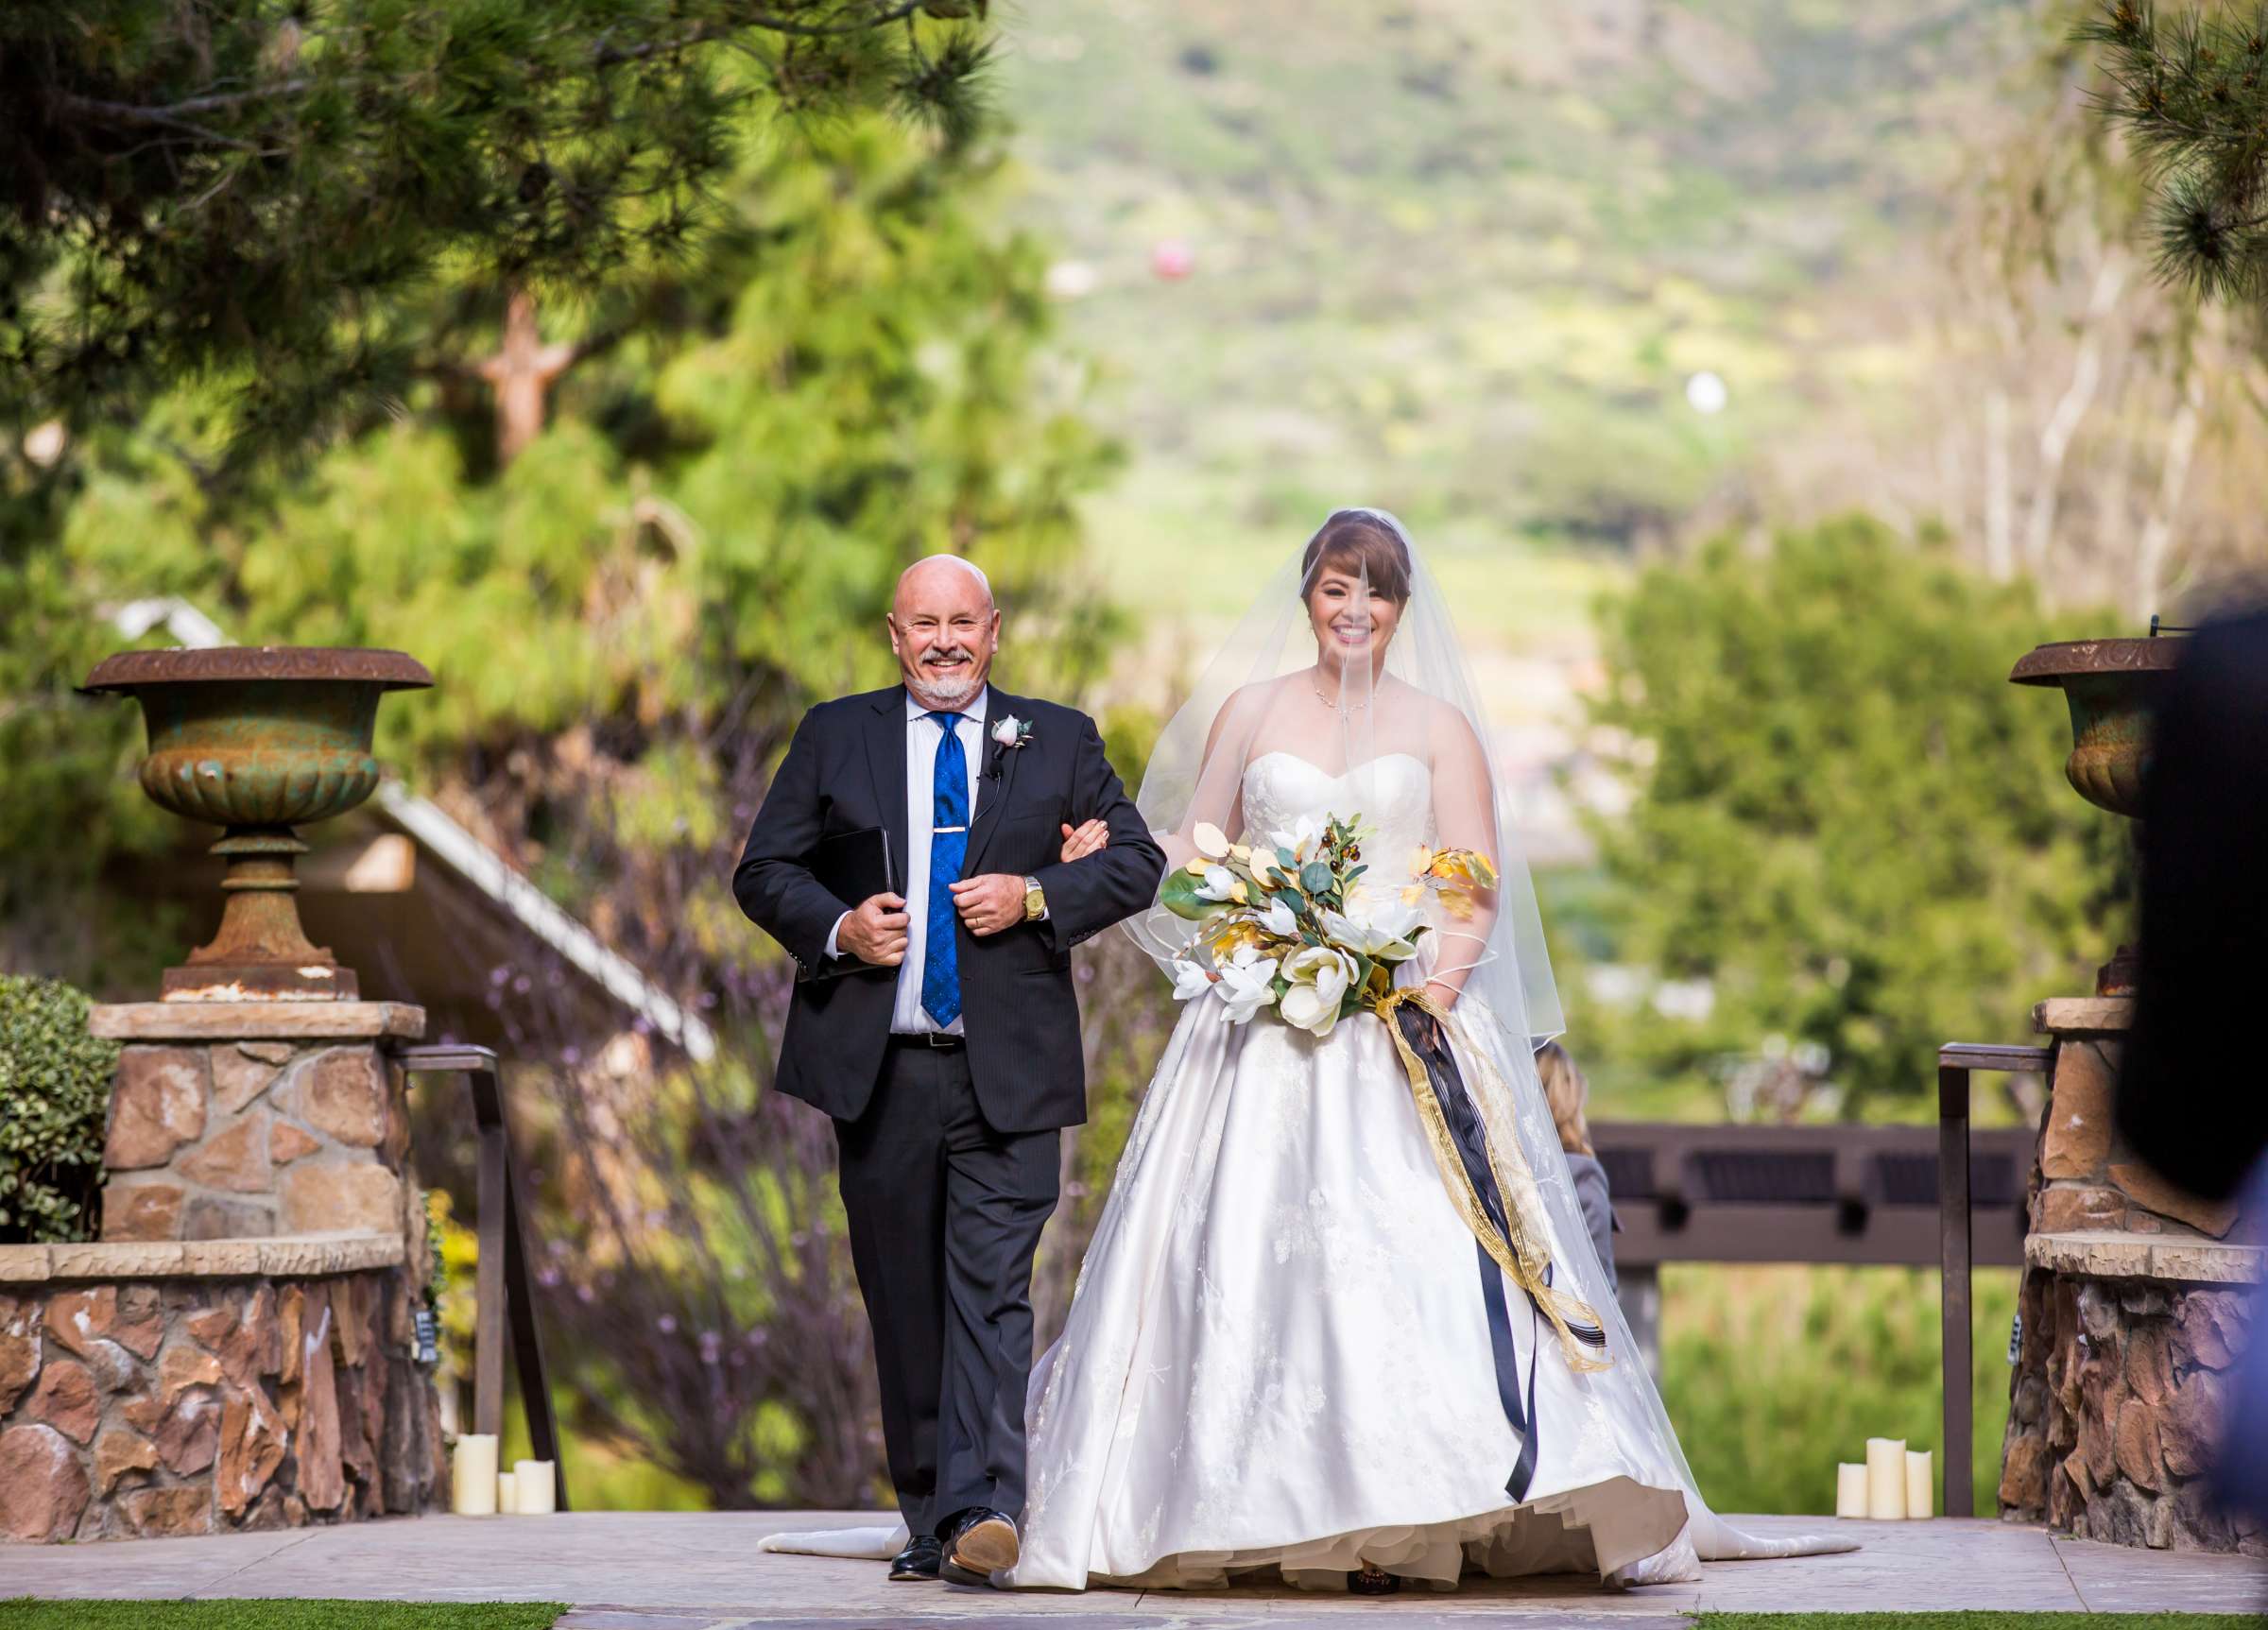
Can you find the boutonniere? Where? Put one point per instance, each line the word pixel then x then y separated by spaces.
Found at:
pixel 1008 733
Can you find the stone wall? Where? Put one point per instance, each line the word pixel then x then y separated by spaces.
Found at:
pixel 236 1351
pixel 2121 1387
pixel 199 1405
pixel 2134 1309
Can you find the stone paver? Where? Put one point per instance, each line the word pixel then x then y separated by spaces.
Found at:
pixel 661 1570
pixel 2113 1579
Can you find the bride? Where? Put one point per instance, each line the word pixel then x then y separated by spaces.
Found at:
pixel 1292 1350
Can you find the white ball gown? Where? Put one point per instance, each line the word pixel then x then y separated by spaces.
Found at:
pixel 1278 1356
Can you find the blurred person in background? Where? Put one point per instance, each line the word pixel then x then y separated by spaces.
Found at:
pixel 1567 1092
pixel 2189 1100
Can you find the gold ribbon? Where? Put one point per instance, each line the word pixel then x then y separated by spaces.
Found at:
pixel 1526 1258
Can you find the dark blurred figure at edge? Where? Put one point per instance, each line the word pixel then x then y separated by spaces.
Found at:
pixel 2193 1101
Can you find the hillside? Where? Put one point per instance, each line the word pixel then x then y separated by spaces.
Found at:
pixel 1466 261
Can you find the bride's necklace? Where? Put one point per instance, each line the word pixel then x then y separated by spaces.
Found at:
pixel 1337 702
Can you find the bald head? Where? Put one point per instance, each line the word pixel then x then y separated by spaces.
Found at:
pixel 918 576
pixel 945 630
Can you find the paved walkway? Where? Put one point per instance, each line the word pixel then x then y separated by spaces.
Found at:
pixel 661 1571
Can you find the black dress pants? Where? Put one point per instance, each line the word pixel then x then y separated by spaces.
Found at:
pixel 945 1215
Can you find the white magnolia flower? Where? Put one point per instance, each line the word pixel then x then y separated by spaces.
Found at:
pixel 1319 977
pixel 1213 842
pixel 1279 921
pixel 1384 933
pixel 1304 831
pixel 1246 984
pixel 1190 979
pixel 1220 883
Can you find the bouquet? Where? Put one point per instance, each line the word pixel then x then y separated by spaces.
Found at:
pixel 1288 926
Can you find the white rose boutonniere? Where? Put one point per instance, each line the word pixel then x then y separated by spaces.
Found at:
pixel 1008 733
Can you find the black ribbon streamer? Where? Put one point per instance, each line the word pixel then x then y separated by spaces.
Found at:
pixel 1447 1084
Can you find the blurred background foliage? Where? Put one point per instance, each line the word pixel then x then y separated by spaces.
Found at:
pixel 1845 831
pixel 1763 377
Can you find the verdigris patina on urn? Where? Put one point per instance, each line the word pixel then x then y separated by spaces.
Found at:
pixel 2111 687
pixel 258 740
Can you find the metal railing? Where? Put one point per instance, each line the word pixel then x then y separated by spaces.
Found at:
pixel 504 1303
pixel 1955 1061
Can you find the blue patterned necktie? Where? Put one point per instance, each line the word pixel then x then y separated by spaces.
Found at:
pixel 948 849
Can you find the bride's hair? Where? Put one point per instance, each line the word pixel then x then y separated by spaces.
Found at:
pixel 1356 542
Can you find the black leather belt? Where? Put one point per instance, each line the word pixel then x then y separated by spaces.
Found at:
pixel 936 1039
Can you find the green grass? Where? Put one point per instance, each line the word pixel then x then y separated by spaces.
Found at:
pixel 25 1614
pixel 1978 1620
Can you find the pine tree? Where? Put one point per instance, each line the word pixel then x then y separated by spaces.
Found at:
pixel 236 191
pixel 2191 92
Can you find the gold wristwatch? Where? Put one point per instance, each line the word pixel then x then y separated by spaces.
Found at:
pixel 1035 900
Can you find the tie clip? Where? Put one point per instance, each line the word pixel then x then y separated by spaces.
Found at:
pixel 936 830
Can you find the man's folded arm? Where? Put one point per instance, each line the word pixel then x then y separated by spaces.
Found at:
pixel 1087 895
pixel 772 882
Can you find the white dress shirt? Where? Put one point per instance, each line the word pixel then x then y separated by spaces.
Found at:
pixel 923 734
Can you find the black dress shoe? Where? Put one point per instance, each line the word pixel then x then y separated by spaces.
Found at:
pixel 1370 1581
pixel 919 1560
pixel 978 1543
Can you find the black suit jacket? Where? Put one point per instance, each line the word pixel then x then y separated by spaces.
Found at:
pixel 846 771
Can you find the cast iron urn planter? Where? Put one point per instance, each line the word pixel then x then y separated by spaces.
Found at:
pixel 258 740
pixel 2112 687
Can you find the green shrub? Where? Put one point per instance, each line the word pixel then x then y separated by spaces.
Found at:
pixel 55 1087
pixel 1772 1375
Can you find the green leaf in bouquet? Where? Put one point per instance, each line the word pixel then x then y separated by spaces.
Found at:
pixel 1315 876
pixel 1291 861
pixel 1292 898
pixel 1356 872
pixel 1178 894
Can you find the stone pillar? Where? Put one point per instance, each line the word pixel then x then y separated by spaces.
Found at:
pixel 2134 1311
pixel 245 1119
pixel 237 1350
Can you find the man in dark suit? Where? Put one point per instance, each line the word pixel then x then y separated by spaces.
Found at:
pixel 939 1027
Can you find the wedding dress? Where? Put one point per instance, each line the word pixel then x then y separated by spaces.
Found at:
pixel 1285 1353
pixel 1278 1354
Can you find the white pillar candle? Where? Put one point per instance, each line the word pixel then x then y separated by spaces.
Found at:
pixel 537 1487
pixel 1850 1488
pixel 1921 1487
pixel 473 1475
pixel 1886 1479
pixel 508 1492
